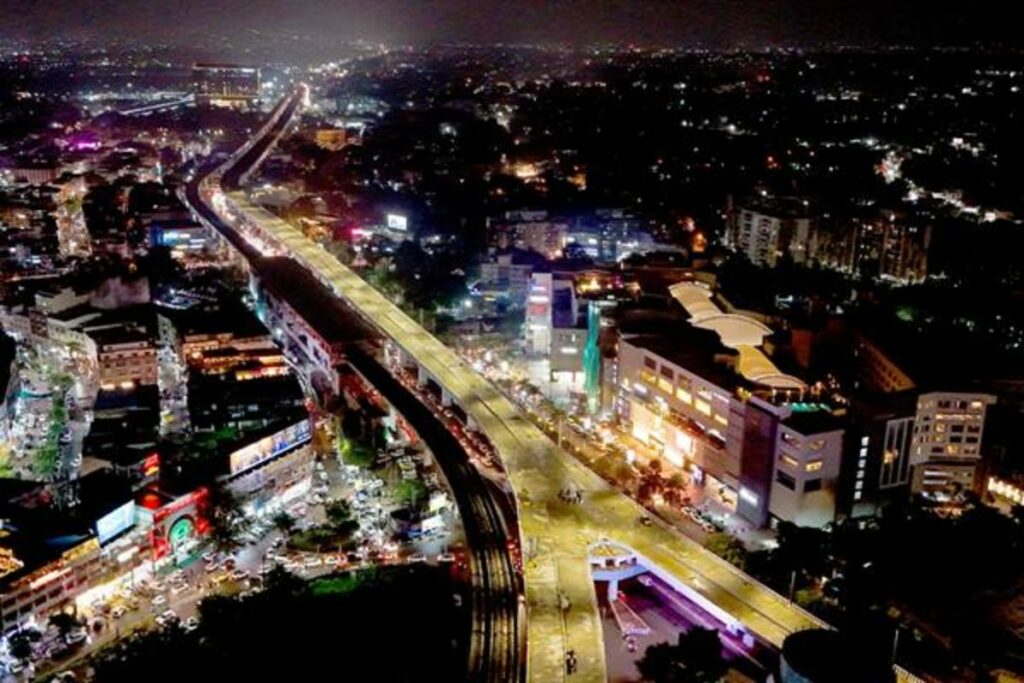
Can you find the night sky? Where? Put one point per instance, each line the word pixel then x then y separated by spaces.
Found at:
pixel 691 23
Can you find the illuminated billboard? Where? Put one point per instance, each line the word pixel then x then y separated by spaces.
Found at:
pixel 113 523
pixel 269 446
pixel 397 221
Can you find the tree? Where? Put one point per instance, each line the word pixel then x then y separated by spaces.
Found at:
pixel 226 518
pixel 695 658
pixel 20 643
pixel 410 492
pixel 625 473
pixel 65 623
pixel 728 548
pixel 283 522
pixel 338 512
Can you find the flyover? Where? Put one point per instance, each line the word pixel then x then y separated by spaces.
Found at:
pixel 561 604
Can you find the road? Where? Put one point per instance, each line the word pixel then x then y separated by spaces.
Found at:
pixel 557 536
pixel 496 646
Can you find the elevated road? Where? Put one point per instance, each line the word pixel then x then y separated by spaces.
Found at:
pixel 497 639
pixel 561 604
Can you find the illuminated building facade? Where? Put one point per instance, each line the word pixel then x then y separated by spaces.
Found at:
pixel 226 85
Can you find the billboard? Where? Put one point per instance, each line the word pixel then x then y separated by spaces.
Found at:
pixel 111 524
pixel 397 221
pixel 268 447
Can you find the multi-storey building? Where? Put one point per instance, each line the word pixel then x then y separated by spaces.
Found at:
pixel 766 228
pixel 946 446
pixel 707 399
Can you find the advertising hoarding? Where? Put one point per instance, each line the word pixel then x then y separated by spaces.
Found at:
pixel 268 447
pixel 111 524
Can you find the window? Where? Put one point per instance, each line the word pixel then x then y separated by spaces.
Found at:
pixel 667 373
pixel 683 395
pixel 650 363
pixel 665 386
pixel 812 485
pixel 814 466
pixel 703 407
pixel 790 439
pixel 790 460
pixel 786 480
pixel 816 445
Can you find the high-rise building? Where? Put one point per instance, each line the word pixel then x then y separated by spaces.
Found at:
pixel 946 446
pixel 766 228
pixel 226 85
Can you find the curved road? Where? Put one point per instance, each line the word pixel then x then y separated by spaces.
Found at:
pixel 497 642
pixel 556 536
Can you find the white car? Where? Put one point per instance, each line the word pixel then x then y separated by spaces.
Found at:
pixel 418 557
pixel 119 611
pixel 167 617
pixel 191 624
pixel 158 600
pixel 76 636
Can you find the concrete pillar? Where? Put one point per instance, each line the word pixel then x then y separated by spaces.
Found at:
pixel 613 590
pixel 421 377
pixel 446 398
pixel 472 424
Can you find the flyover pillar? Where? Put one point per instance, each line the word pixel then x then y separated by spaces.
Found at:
pixel 421 377
pixel 613 590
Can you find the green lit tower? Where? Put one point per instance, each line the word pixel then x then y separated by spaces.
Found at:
pixel 592 359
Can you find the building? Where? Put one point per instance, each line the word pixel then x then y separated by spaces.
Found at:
pixel 9 383
pixel 219 324
pixel 808 463
pixel 506 277
pixel 765 229
pixel 528 230
pixel 125 351
pixel 946 445
pixel 888 245
pixel 182 238
pixel 58 540
pixel 552 314
pixel 878 371
pixel 309 323
pixel 331 139
pixel 226 85
pixel 704 396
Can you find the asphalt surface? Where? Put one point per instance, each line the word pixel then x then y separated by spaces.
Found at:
pixel 496 646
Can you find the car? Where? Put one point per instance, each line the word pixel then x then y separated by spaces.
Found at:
pixel 178 588
pixel 239 575
pixel 446 558
pixel 645 521
pixel 220 577
pixel 167 617
pixel 209 557
pixel 415 558
pixel 159 599
pixel 118 611
pixel 16 667
pixel 76 636
pixel 191 624
pixel 212 567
